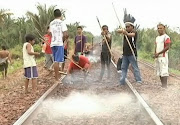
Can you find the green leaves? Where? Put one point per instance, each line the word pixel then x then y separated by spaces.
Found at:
pixel 41 20
pixel 4 14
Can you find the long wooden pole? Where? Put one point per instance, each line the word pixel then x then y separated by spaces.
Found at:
pixel 92 43
pixel 81 43
pixel 74 62
pixel 62 73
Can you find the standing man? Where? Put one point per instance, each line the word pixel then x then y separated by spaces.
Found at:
pixel 105 53
pixel 162 46
pixel 4 57
pixel 58 30
pixel 80 42
pixel 128 57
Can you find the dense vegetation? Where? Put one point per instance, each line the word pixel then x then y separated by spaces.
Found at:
pixel 12 32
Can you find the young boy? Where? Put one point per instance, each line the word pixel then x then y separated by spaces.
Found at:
pixel 48 51
pixel 29 62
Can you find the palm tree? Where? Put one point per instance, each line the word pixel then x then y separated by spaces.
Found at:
pixel 43 18
pixel 22 26
pixel 3 14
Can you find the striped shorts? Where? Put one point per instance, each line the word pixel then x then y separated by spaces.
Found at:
pixel 30 72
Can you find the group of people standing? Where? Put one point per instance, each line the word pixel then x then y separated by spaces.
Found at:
pixel 56 41
pixel 55 47
pixel 162 45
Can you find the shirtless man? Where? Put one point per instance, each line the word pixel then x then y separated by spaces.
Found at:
pixel 4 57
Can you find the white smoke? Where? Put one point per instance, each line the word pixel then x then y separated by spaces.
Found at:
pixel 86 103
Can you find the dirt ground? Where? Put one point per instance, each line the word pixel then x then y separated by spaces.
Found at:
pixel 164 102
pixel 13 101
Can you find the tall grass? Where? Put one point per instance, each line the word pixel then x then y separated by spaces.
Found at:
pixel 17 60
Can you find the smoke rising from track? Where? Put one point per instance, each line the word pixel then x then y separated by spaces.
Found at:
pixel 87 103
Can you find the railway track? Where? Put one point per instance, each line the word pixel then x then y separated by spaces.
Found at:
pixel 153 67
pixel 92 102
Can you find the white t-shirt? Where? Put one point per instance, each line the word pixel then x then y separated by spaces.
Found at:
pixel 161 44
pixel 57 27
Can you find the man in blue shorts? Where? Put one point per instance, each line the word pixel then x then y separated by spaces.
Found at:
pixel 58 31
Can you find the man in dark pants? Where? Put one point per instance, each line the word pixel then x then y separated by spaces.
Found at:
pixel 105 53
pixel 128 57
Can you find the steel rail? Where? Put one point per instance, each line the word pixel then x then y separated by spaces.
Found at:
pixel 24 117
pixel 154 117
pixel 153 67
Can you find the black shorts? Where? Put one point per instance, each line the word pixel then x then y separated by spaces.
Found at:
pixel 65 54
pixel 105 58
pixel 3 66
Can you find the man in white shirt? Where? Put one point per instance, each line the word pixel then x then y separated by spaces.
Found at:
pixel 58 30
pixel 162 46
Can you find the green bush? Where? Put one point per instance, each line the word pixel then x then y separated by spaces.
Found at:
pixel 17 64
pixel 37 48
pixel 16 52
pixel 145 56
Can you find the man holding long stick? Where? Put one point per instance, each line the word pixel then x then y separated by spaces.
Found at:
pixel 78 63
pixel 128 57
pixel 105 52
